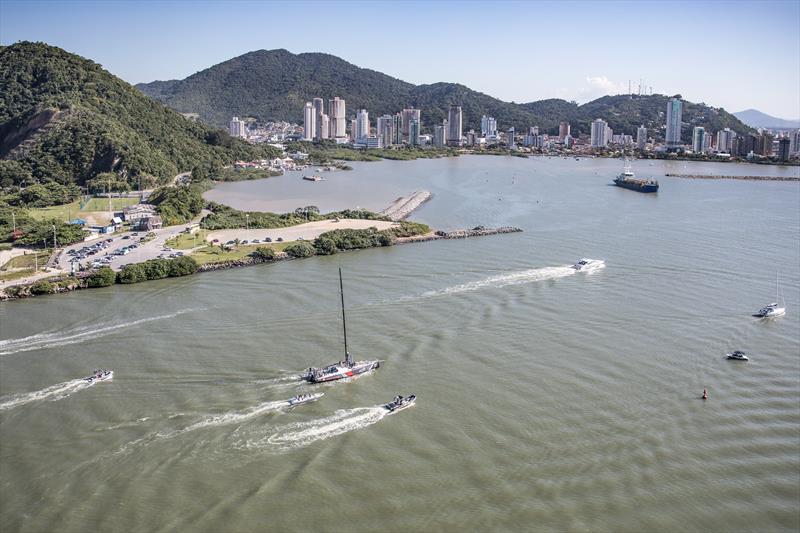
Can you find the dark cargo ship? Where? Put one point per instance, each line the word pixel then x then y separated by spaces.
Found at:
pixel 626 180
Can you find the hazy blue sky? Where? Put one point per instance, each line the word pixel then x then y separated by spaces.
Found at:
pixel 731 54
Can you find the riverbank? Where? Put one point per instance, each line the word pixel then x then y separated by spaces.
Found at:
pixel 62 284
pixel 719 177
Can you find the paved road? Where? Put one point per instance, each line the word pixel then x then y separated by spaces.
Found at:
pixel 308 231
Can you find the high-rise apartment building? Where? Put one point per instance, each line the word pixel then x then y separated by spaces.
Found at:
pixel 324 127
pixel 488 127
pixel 309 122
pixel 698 139
pixel 454 125
pixel 510 141
pixel 237 128
pixel 385 130
pixel 319 110
pixel 438 136
pixel 794 142
pixel 397 129
pixel 338 121
pixel 674 116
pixel 641 137
pixel 725 140
pixel 362 124
pixel 354 130
pixel 598 137
pixel 783 149
pixel 413 132
pixel 563 130
pixel 408 115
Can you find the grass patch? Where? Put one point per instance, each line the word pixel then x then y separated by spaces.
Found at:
pixel 61 212
pixel 101 204
pixel 28 260
pixel 184 241
pixel 17 274
pixel 213 254
pixel 74 210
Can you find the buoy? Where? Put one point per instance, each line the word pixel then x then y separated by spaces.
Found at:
pixel 705 394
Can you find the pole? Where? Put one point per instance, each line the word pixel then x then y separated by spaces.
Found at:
pixel 247 221
pixel 54 238
pixel 347 357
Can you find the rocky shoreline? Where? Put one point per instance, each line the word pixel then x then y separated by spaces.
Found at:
pixel 746 178
pixel 69 284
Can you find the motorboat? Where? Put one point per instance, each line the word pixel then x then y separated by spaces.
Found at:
pixel 400 402
pixel 738 355
pixel 774 309
pixel 586 265
pixel 343 369
pixel 304 398
pixel 100 375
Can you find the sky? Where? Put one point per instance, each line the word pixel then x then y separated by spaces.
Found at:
pixel 728 53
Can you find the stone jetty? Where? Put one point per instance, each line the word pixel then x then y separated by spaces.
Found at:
pixel 405 205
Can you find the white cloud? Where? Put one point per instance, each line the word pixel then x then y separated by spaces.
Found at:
pixel 597 86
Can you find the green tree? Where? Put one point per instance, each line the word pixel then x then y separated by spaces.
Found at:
pixel 300 249
pixel 182 266
pixel 133 273
pixel 263 254
pixel 41 287
pixel 102 277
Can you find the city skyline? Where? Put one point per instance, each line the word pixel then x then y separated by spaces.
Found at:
pixel 161 41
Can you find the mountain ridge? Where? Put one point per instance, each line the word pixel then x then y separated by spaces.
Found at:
pixel 759 119
pixel 275 84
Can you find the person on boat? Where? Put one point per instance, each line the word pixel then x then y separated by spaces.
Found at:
pixel 705 394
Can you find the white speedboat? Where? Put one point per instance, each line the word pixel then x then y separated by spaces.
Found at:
pixel 304 398
pixel 774 309
pixel 100 375
pixel 342 369
pixel 400 402
pixel 738 355
pixel 587 265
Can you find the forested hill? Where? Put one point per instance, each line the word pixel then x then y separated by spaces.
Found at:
pixel 63 118
pixel 275 84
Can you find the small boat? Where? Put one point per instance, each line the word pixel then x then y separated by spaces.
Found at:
pixel 342 369
pixel 304 398
pixel 773 310
pixel 400 402
pixel 587 265
pixel 100 375
pixel 627 180
pixel 313 178
pixel 738 355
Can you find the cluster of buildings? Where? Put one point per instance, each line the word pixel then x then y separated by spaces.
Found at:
pixel 271 132
pixel 330 122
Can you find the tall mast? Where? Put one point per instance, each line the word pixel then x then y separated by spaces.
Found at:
pixel 347 357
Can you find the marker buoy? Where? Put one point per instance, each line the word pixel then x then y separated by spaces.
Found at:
pixel 705 394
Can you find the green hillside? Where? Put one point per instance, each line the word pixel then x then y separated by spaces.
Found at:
pixel 64 119
pixel 275 84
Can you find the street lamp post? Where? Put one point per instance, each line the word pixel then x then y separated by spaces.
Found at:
pixel 54 237
pixel 247 220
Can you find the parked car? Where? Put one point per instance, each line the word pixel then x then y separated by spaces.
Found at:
pixel 245 241
pixel 256 241
pixel 267 239
pixel 215 241
pixel 279 239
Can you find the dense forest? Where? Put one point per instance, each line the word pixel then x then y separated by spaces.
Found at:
pixel 275 84
pixel 64 119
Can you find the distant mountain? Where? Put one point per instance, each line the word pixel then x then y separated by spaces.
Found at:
pixel 757 119
pixel 63 118
pixel 275 84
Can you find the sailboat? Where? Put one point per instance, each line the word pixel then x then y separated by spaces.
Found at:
pixel 342 369
pixel 774 309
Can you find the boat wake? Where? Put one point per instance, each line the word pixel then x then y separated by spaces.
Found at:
pixel 52 393
pixel 72 336
pixel 302 434
pixel 503 280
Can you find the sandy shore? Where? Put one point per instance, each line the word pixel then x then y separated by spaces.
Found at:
pixel 308 231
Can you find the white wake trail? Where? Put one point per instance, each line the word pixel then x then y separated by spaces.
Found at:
pixel 304 433
pixel 52 393
pixel 73 336
pixel 504 280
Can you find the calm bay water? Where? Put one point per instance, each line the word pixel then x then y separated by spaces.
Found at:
pixel 548 399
